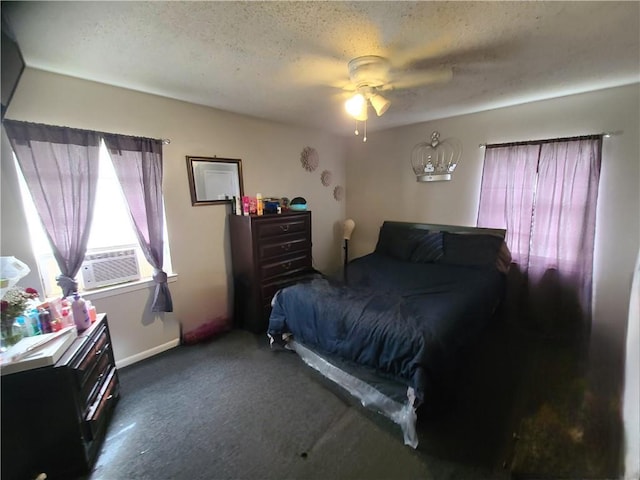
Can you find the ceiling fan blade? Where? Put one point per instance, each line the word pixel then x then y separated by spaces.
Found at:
pixel 313 70
pixel 420 78
pixel 489 52
pixel 410 57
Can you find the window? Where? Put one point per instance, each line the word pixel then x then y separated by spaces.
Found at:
pixel 110 210
pixel 61 168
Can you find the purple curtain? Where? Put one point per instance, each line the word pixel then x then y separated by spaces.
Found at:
pixel 60 166
pixel 545 195
pixel 564 225
pixel 138 165
pixel 507 194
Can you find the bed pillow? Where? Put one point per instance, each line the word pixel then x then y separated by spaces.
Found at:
pixel 473 250
pixel 398 243
pixel 429 248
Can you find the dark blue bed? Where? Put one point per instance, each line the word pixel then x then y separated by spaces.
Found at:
pixel 408 309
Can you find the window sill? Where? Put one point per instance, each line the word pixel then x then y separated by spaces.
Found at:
pixel 114 290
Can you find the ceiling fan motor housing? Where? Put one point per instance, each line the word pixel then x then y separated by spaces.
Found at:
pixel 369 71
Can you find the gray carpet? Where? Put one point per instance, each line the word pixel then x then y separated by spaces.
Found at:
pixel 231 408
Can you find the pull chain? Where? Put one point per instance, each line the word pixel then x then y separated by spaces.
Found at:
pixel 357 132
pixel 364 139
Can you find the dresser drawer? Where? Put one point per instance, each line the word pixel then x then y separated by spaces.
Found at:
pixel 95 377
pixel 89 355
pixel 285 266
pixel 283 245
pixel 99 411
pixel 272 227
pixel 269 289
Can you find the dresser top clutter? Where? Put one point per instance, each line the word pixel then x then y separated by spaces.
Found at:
pixel 268 252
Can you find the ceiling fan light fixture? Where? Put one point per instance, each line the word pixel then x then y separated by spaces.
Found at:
pixel 379 103
pixel 356 106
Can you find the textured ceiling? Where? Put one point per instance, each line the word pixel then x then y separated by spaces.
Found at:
pixel 287 61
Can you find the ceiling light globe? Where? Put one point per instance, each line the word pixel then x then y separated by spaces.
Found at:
pixel 356 106
pixel 379 103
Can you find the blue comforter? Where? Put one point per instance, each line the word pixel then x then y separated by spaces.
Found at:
pixel 406 320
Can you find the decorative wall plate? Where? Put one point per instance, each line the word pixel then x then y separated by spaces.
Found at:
pixel 326 178
pixel 309 159
pixel 338 192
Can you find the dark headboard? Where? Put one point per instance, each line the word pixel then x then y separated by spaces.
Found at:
pixel 499 232
pixel 446 244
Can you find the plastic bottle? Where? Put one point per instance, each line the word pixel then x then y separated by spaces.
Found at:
pixel 45 320
pixel 80 313
pixel 259 204
pixel 93 315
pixel 33 318
pixel 22 327
pixel 67 317
pixel 66 314
pixel 56 324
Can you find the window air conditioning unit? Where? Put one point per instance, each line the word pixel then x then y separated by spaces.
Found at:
pixel 110 268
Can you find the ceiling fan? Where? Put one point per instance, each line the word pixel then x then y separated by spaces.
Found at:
pixel 371 74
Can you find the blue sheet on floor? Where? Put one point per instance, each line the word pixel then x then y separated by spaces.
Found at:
pixel 406 320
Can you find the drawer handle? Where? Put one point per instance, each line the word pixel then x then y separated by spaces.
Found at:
pixel 286 266
pixel 284 228
pixel 98 352
pixel 286 246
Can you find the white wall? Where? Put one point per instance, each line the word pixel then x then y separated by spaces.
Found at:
pixel 382 186
pixel 198 236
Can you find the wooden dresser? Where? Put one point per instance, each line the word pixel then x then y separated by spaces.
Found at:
pixel 54 418
pixel 268 252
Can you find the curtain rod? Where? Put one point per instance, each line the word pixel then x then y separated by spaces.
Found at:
pixel 165 141
pixel 549 140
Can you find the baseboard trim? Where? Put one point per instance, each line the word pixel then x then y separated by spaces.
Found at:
pixel 124 362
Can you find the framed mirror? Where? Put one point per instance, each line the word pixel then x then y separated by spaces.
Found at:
pixel 214 180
